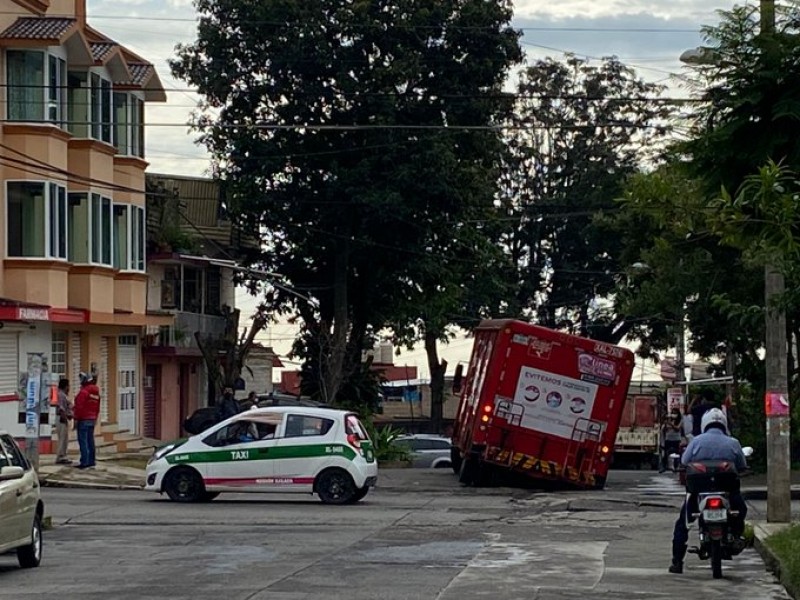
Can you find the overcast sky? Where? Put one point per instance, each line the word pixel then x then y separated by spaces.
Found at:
pixel 648 35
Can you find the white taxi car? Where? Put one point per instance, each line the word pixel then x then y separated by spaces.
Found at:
pixel 21 507
pixel 276 449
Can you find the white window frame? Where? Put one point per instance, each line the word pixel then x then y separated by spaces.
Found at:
pixel 115 254
pixel 49 252
pixel 96 122
pixel 137 225
pixel 133 124
pixel 101 234
pixel 60 104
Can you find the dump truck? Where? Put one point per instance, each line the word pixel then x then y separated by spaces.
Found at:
pixel 639 432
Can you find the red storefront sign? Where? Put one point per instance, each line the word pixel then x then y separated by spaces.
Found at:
pixel 42 313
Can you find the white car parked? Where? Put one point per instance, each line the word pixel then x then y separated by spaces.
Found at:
pixel 427 451
pixel 276 449
pixel 21 507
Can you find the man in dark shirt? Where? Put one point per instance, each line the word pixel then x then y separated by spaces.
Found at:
pixel 703 403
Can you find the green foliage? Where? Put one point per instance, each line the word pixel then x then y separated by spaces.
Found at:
pixel 338 129
pixel 750 112
pixel 786 546
pixel 383 439
pixel 578 132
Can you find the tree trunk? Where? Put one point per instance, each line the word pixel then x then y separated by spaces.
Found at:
pixel 332 372
pixel 437 369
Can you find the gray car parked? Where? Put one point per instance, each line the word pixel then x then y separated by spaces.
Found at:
pixel 427 451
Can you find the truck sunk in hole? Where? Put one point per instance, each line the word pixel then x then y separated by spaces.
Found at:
pixel 539 402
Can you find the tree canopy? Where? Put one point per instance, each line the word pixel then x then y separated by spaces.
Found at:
pixel 358 137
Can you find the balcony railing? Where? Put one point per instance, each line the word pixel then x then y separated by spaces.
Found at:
pixel 186 324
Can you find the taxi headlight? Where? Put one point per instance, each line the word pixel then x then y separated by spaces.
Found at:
pixel 161 452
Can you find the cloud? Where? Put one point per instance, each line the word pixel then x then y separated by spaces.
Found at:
pixel 152 28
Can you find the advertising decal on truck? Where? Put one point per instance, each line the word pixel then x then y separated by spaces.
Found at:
pixel 552 403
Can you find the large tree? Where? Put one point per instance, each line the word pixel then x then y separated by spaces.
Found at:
pixel 578 131
pixel 356 136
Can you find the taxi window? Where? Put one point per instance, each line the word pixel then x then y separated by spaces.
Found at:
pixel 354 427
pixel 241 431
pixel 15 456
pixel 305 426
pixel 3 460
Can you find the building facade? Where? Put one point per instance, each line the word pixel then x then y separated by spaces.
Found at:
pixel 73 286
pixel 192 252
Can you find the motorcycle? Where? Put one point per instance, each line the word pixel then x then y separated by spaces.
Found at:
pixel 712 483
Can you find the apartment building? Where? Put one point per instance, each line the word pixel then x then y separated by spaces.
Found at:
pixel 73 282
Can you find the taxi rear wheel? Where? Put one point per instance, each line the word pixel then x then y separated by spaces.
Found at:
pixel 184 485
pixel 335 486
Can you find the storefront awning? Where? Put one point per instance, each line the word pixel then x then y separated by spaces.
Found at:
pixel 11 310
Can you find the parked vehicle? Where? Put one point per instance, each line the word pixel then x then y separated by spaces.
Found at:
pixel 21 506
pixel 277 449
pixel 638 436
pixel 205 417
pixel 427 451
pixel 713 482
pixel 539 402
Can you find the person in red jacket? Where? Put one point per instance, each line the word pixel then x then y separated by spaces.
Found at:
pixel 85 413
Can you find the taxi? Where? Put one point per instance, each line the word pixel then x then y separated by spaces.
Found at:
pixel 277 449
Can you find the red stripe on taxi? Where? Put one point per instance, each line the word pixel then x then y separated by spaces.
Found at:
pixel 244 481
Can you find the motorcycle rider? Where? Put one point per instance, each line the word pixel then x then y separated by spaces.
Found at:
pixel 712 444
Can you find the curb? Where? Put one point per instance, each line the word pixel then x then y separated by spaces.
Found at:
pixel 63 483
pixel 761 494
pixel 773 564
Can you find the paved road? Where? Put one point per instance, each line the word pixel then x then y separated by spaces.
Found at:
pixel 419 536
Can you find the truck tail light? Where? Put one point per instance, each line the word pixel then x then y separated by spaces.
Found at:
pixel 488 408
pixel 605 449
pixel 485 418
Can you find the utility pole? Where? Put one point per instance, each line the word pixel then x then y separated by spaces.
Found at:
pixel 779 494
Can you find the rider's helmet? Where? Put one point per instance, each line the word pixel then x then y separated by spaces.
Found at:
pixel 714 418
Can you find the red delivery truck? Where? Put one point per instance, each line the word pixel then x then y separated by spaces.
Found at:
pixel 539 402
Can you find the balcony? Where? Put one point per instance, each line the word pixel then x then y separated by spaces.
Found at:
pixel 181 336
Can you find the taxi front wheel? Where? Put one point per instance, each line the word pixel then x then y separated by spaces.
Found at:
pixel 184 484
pixel 335 486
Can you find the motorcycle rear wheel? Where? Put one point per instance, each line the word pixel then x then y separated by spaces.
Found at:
pixel 716 559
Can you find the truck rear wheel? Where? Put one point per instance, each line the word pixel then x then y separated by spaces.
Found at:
pixel 455 460
pixel 467 471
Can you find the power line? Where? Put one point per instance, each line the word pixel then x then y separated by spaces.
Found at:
pixel 376 25
pixel 393 94
pixel 388 127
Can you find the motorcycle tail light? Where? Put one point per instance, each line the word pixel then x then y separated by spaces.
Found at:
pixel 714 503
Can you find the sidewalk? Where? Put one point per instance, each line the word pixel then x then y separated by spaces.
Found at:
pixel 754 487
pixel 113 473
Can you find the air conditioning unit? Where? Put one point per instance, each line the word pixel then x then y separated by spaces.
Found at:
pixel 169 288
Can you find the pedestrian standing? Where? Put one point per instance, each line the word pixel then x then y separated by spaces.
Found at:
pixel 63 416
pixel 227 406
pixel 86 411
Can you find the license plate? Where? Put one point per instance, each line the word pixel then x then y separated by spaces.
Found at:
pixel 715 514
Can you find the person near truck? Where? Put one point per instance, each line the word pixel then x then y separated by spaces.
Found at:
pixel 63 417
pixel 702 403
pixel 86 411
pixel 672 434
pixel 712 444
